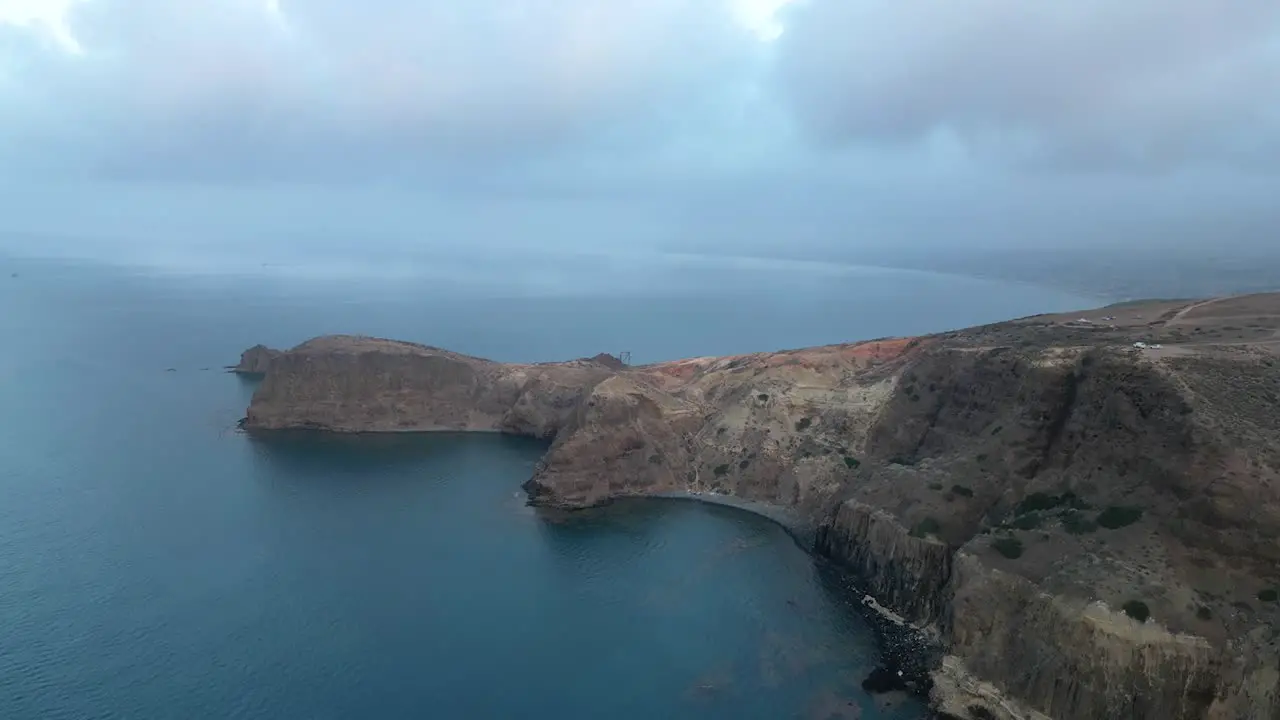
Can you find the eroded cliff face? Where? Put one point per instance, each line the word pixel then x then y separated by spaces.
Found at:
pixel 905 572
pixel 357 384
pixel 1004 491
pixel 255 361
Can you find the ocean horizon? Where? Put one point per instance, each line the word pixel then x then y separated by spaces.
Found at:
pixel 158 564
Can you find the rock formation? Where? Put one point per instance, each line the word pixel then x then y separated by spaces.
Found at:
pixel 1082 527
pixel 255 361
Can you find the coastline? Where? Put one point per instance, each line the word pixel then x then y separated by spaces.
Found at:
pixel 938 477
pixel 908 655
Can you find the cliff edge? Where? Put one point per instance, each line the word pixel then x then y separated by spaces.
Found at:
pixel 1082 512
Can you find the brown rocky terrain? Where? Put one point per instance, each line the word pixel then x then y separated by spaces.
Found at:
pixel 255 361
pixel 1079 527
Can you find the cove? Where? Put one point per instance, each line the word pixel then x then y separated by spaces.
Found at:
pixel 155 564
pixel 479 606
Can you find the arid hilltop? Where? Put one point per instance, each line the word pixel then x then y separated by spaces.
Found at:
pixel 1080 512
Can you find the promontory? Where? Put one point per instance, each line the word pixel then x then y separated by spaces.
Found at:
pixel 1079 513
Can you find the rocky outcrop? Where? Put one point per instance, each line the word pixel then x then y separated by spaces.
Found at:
pixel 359 384
pixel 255 361
pixel 905 572
pixel 1082 529
pixel 1075 659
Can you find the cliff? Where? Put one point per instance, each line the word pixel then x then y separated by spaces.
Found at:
pixel 360 384
pixel 255 361
pixel 1081 527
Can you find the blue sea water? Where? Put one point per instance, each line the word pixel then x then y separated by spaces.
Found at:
pixel 156 564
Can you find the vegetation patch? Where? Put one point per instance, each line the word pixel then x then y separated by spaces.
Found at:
pixel 1268 595
pixel 1204 613
pixel 1010 547
pixel 1137 610
pixel 1077 524
pixel 1026 522
pixel 902 460
pixel 935 486
pixel 763 397
pixel 721 470
pixel 851 462
pixel 743 465
pixel 926 527
pixel 962 491
pixel 803 423
pixel 1039 501
pixel 1118 516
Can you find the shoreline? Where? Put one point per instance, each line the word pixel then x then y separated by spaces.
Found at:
pixel 906 654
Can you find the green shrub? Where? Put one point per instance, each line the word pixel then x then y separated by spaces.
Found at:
pixel 1037 501
pixel 935 486
pixel 762 397
pixel 1268 595
pixel 1116 517
pixel 851 462
pixel 927 526
pixel 743 465
pixel 997 430
pixel 1077 524
pixel 1010 547
pixel 1137 610
pixel 721 470
pixel 1026 522
pixel 962 491
pixel 803 424
pixel 1044 501
pixel 1204 613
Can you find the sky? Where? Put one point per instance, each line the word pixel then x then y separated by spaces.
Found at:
pixel 779 128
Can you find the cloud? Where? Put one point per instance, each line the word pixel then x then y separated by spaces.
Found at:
pixel 1087 83
pixel 221 88
pixel 668 124
pixel 317 90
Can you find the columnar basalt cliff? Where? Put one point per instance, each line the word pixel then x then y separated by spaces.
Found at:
pixel 1085 528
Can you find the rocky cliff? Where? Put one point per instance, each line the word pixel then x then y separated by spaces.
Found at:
pixel 361 384
pixel 255 361
pixel 1082 528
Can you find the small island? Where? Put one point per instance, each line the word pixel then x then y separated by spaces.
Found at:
pixel 1063 516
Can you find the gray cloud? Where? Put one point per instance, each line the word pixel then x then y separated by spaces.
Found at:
pixel 208 125
pixel 324 89
pixel 1085 84
pixel 220 88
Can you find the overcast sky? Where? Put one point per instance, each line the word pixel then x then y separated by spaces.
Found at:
pixel 803 128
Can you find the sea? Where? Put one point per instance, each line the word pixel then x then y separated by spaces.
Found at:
pixel 155 563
